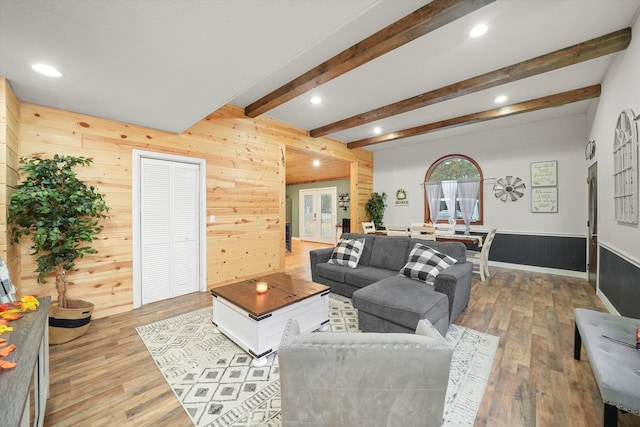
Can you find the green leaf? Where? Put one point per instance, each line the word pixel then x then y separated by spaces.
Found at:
pixel 57 210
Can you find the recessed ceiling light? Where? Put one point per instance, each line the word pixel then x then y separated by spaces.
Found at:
pixel 377 130
pixel 47 70
pixel 316 100
pixel 316 163
pixel 500 99
pixel 478 30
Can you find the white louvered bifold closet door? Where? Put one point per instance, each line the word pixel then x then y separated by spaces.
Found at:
pixel 169 229
pixel 185 231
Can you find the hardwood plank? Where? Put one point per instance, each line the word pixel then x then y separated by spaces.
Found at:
pixel 107 377
pixel 418 23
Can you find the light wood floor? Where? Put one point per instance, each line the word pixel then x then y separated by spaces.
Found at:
pixel 107 377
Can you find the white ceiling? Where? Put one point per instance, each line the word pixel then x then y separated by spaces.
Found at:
pixel 166 64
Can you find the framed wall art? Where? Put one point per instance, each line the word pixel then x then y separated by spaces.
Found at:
pixel 544 200
pixel 544 174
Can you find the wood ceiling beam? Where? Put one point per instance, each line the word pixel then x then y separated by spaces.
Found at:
pixel 556 100
pixel 591 49
pixel 418 23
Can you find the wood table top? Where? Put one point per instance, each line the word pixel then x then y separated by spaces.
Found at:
pixel 14 383
pixel 283 291
pixel 466 239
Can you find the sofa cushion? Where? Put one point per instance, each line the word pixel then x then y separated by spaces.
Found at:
pixel 389 252
pixel 331 271
pixel 425 263
pixel 366 275
pixel 347 252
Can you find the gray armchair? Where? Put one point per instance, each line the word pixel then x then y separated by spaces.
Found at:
pixel 363 379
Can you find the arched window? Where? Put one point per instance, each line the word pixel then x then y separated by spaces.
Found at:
pixel 442 179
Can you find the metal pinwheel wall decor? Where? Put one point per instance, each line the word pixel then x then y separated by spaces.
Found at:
pixel 508 188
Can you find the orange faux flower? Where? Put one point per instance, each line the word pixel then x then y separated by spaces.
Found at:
pixel 4 352
pixel 5 364
pixel 11 315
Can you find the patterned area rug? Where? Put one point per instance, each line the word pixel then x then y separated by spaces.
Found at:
pixel 217 385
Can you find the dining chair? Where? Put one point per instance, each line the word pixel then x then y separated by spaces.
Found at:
pixel 481 259
pixel 422 231
pixel 445 228
pixel 369 228
pixel 397 230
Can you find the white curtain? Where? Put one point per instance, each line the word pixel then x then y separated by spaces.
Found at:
pixel 433 197
pixel 449 189
pixel 467 196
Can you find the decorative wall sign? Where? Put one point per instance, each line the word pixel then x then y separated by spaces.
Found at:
pixel 544 200
pixel 625 168
pixel 508 189
pixel 544 174
pixel 343 201
pixel 401 198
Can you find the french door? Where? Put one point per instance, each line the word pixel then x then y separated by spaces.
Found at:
pixel 170 229
pixel 318 215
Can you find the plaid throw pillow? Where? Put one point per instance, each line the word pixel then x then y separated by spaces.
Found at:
pixel 347 252
pixel 425 263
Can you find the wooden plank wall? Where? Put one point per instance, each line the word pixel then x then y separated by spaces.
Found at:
pixel 9 135
pixel 301 171
pixel 362 188
pixel 245 191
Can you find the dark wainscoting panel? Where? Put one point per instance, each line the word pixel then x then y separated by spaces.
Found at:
pixel 565 253
pixel 620 282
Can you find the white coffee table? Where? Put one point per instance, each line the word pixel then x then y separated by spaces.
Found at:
pixel 255 322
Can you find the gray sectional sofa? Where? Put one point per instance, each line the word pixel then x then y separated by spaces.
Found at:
pixel 390 302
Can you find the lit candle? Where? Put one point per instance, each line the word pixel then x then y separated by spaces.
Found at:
pixel 261 287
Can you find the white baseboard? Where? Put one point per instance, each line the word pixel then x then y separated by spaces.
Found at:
pixel 535 269
pixel 607 303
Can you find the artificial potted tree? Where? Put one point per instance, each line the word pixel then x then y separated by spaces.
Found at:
pixel 374 208
pixel 62 216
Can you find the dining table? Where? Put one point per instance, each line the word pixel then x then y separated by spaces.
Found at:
pixel 467 239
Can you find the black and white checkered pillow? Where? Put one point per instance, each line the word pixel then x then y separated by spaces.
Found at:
pixel 425 263
pixel 347 252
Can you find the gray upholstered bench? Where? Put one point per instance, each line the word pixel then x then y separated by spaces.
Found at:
pixel 615 366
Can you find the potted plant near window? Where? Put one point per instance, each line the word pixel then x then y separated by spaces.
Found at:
pixel 61 215
pixel 375 208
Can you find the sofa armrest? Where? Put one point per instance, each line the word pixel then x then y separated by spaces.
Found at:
pixel 318 256
pixel 425 328
pixel 455 282
pixel 291 330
